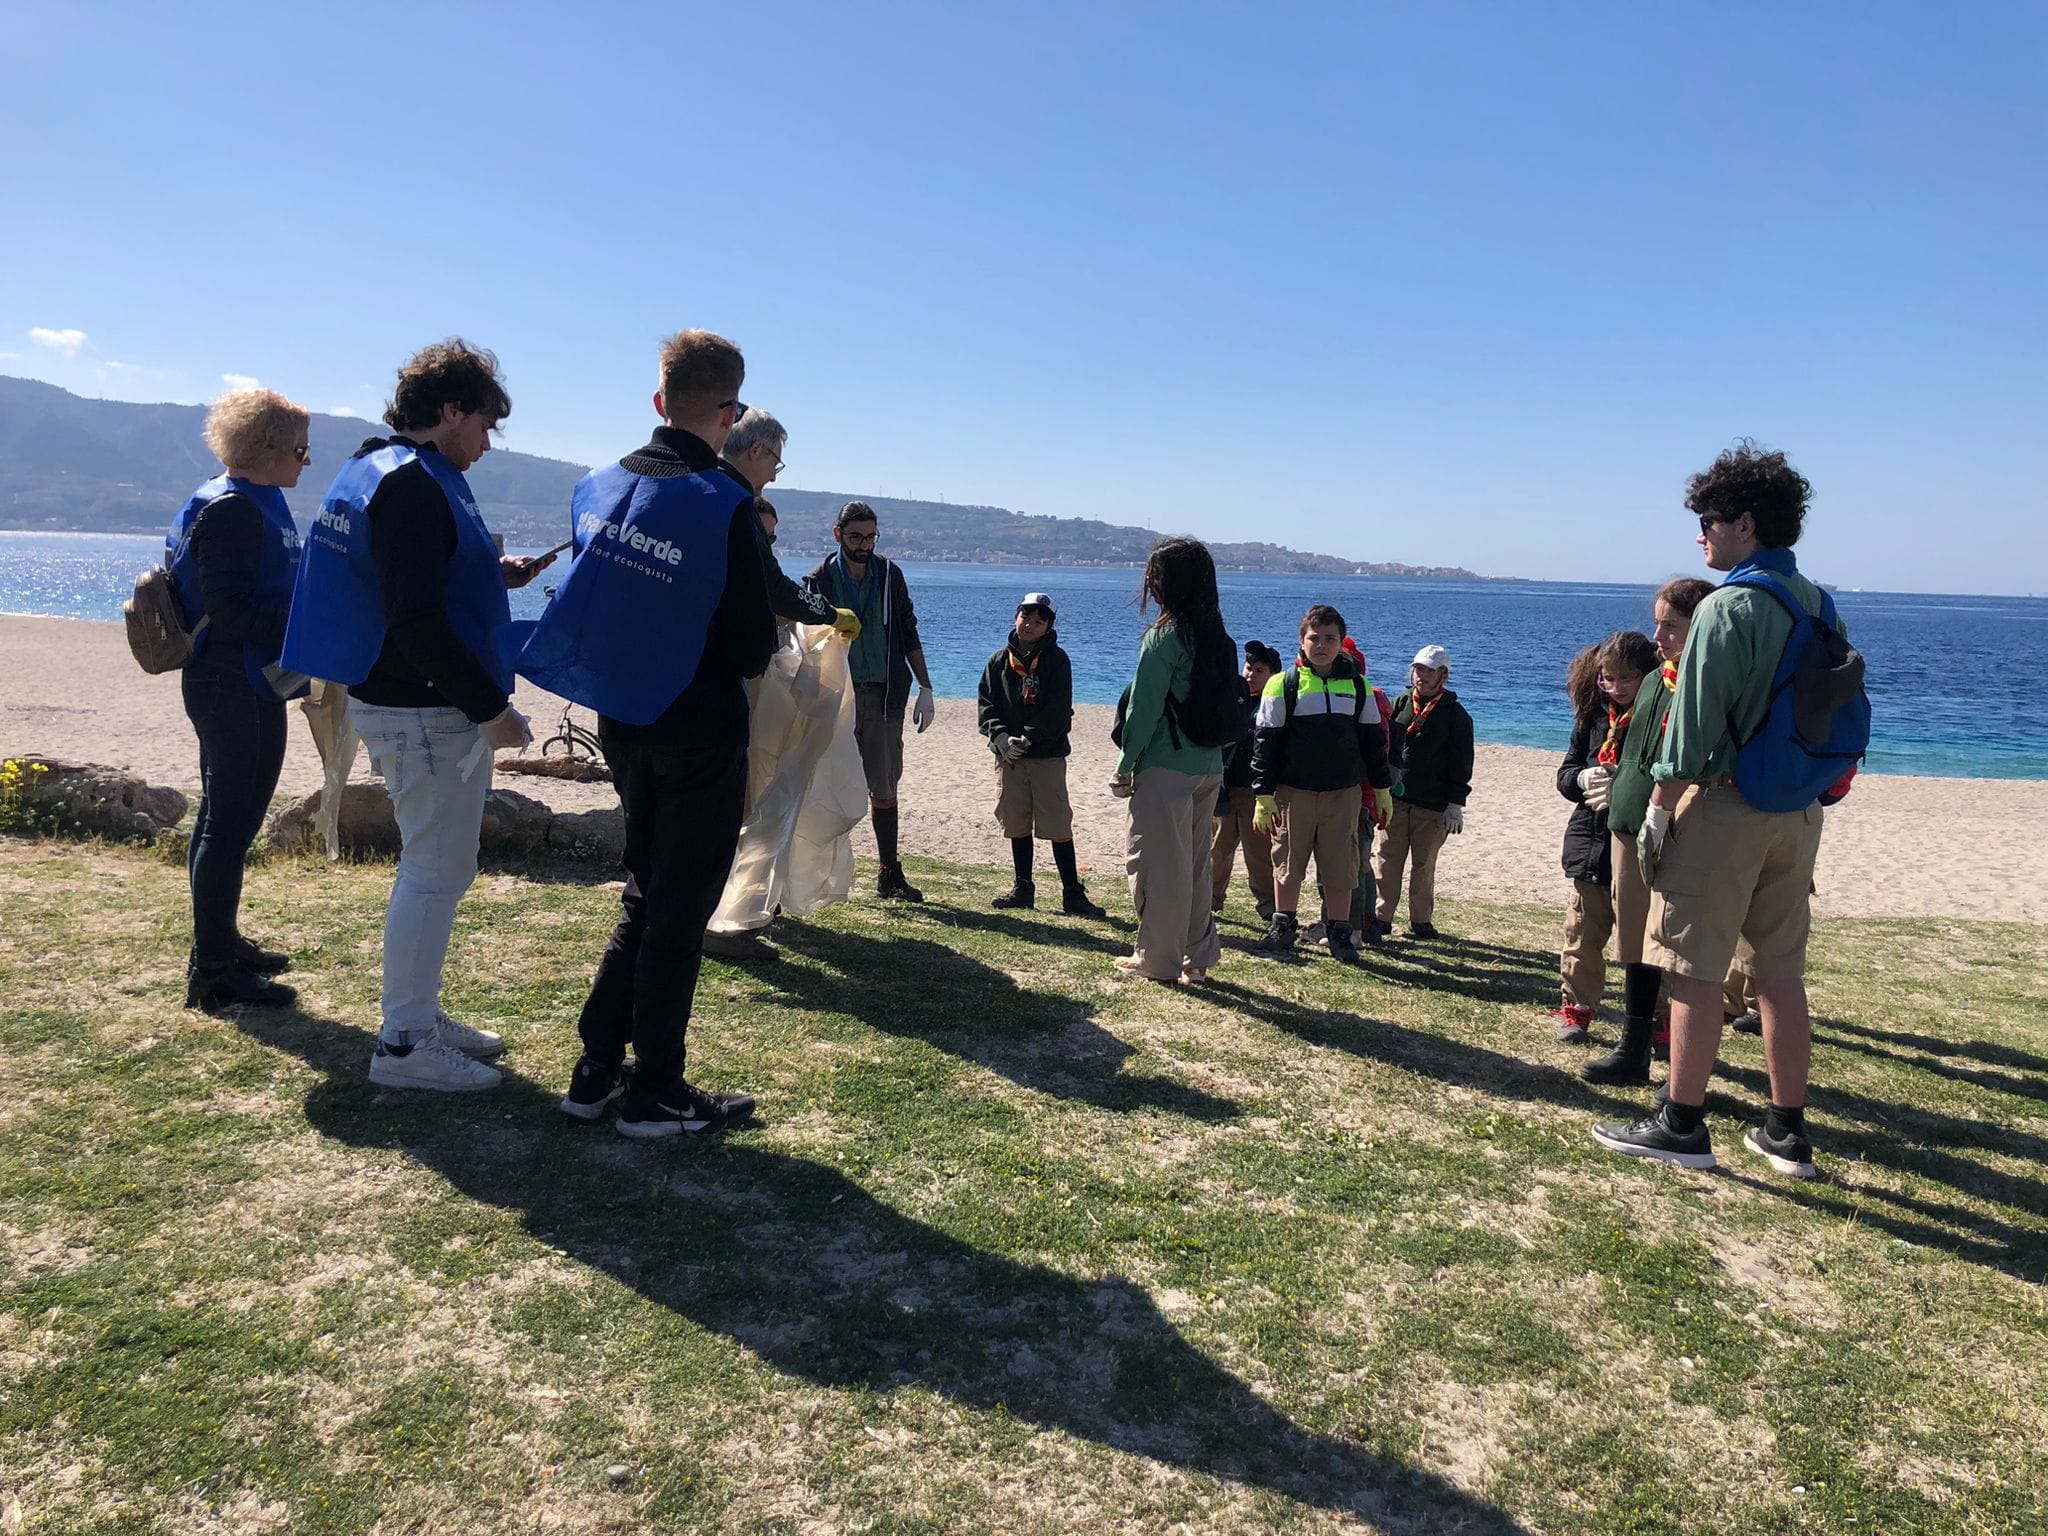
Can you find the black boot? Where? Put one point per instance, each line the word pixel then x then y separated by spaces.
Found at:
pixel 1628 1064
pixel 1281 936
pixel 251 956
pixel 1021 892
pixel 1073 894
pixel 225 990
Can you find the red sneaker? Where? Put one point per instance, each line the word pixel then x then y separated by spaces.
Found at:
pixel 1577 1023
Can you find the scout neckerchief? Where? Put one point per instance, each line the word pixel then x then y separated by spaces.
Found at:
pixel 1027 669
pixel 1669 673
pixel 1610 749
pixel 1419 712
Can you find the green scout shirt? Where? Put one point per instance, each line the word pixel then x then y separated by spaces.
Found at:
pixel 868 657
pixel 1165 666
pixel 1724 679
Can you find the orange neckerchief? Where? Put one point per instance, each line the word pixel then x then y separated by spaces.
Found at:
pixel 1610 749
pixel 1028 671
pixel 1668 672
pixel 1419 712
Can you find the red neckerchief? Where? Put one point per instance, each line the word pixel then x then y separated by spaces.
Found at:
pixel 1419 713
pixel 1668 672
pixel 1029 672
pixel 1610 749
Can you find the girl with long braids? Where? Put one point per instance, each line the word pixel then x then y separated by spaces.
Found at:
pixel 1170 780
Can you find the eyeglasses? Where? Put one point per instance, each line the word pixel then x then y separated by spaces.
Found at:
pixel 303 452
pixel 763 448
pixel 739 407
pixel 858 538
pixel 1708 520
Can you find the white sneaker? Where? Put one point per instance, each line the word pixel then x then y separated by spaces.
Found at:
pixel 477 1044
pixel 431 1063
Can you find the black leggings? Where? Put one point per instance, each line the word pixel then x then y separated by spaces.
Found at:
pixel 241 752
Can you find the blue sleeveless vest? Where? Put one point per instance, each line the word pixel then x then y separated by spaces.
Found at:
pixel 277 571
pixel 337 625
pixel 625 630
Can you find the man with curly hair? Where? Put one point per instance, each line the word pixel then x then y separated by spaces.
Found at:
pixel 1723 874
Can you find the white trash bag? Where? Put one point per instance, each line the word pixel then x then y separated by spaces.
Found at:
pixel 806 790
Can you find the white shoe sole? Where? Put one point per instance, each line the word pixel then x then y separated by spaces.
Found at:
pixel 1785 1165
pixel 1702 1161
pixel 595 1111
pixel 663 1130
pixel 385 1078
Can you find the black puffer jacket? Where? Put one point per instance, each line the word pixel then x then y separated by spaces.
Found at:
pixel 1586 844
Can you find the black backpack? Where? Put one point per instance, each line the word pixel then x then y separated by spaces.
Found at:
pixel 1211 714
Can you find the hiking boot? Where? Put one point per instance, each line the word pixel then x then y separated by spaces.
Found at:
pixel 1750 1023
pixel 1653 1137
pixel 251 956
pixel 739 946
pixel 1423 931
pixel 1342 946
pixel 432 1064
pixel 1281 936
pixel 1023 896
pixel 1074 902
pixel 1576 1027
pixel 476 1044
pixel 678 1110
pixel 1628 1064
pixel 891 886
pixel 593 1086
pixel 1792 1154
pixel 225 991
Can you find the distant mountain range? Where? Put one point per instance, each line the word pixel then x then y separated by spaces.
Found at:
pixel 69 464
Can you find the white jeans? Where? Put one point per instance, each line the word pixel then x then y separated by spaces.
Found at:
pixel 419 754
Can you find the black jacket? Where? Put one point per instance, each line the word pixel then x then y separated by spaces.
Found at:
pixel 227 542
pixel 1433 766
pixel 1306 748
pixel 899 620
pixel 1586 845
pixel 791 602
pixel 1237 762
pixel 741 634
pixel 1045 722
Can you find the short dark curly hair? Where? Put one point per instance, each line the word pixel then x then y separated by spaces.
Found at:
pixel 1758 481
pixel 450 372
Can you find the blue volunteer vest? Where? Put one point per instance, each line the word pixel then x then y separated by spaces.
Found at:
pixel 337 625
pixel 277 570
pixel 625 630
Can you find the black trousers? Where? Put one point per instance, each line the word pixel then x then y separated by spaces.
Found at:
pixel 683 808
pixel 241 751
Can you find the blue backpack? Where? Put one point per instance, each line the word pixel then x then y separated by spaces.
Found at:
pixel 1818 723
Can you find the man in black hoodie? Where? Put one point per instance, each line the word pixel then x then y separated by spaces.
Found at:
pixel 1027 709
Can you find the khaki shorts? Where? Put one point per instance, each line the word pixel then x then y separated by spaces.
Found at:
pixel 880 740
pixel 1321 822
pixel 1734 877
pixel 1031 799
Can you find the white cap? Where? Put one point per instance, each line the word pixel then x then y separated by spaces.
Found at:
pixel 1039 600
pixel 1433 657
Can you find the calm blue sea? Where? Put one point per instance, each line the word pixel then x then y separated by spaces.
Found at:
pixel 1952 679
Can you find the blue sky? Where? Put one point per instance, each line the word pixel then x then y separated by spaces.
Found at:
pixel 1465 284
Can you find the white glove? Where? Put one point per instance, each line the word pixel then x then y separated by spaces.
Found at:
pixel 508 730
pixel 1595 784
pixel 1012 748
pixel 923 711
pixel 1650 841
pixel 1454 818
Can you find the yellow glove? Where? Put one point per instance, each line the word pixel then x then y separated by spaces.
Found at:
pixel 846 625
pixel 1265 815
pixel 1383 806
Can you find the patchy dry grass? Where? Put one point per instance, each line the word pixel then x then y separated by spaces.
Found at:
pixel 1020 1245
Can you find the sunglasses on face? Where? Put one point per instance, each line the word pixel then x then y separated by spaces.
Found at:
pixel 303 452
pixel 1708 521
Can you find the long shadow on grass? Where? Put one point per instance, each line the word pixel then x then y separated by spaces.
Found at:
pixel 916 989
pixel 1933 1062
pixel 811 1272
pixel 1933 1045
pixel 1109 938
pixel 1418 1050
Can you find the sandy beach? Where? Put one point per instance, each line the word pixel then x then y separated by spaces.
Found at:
pixel 1898 847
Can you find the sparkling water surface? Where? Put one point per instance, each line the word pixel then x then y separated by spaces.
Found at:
pixel 1952 679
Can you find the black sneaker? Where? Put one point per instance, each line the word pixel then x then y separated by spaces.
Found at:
pixel 738 1108
pixel 1342 946
pixel 1022 896
pixel 251 956
pixel 891 885
pixel 1655 1138
pixel 1618 1069
pixel 226 991
pixel 1787 1154
pixel 1281 936
pixel 593 1087
pixel 1423 931
pixel 1750 1023
pixel 1074 902
pixel 678 1110
pixel 739 946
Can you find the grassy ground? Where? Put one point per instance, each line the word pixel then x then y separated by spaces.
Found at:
pixel 1020 1245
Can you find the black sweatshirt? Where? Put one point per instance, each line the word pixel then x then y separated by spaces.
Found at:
pixel 227 544
pixel 1048 721
pixel 1586 845
pixel 412 538
pixel 741 636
